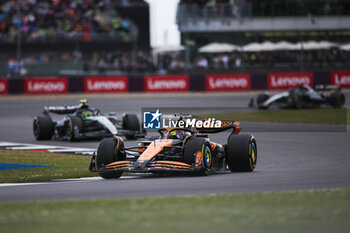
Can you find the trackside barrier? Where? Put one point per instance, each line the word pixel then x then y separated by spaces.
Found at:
pixel 76 84
pixel 170 83
pixel 259 81
pixel 289 80
pixel 4 88
pixel 103 84
pixel 227 82
pixel 136 83
pixel 197 83
pixel 322 78
pixel 341 78
pixel 49 85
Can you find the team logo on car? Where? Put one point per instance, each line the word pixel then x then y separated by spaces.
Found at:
pixel 151 120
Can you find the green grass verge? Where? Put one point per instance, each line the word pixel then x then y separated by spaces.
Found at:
pixel 304 211
pixel 61 166
pixel 307 116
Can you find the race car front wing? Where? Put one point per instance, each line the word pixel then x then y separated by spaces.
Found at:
pixel 134 166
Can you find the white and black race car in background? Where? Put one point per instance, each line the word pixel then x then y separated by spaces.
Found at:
pixel 82 122
pixel 303 97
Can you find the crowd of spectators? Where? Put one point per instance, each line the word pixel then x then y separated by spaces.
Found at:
pixel 121 61
pixel 189 9
pixel 168 62
pixel 140 61
pixel 133 61
pixel 314 58
pixel 42 20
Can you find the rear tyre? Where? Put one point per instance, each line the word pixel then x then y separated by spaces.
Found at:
pixel 192 148
pixel 241 153
pixel 337 99
pixel 72 124
pixel 109 151
pixel 261 99
pixel 43 128
pixel 131 122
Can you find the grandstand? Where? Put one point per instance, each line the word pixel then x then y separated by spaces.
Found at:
pixel 70 34
pixel 112 37
pixel 241 22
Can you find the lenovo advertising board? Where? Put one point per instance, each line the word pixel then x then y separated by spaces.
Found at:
pixel 167 83
pixel 106 84
pixel 341 79
pixel 46 85
pixel 289 80
pixel 4 88
pixel 227 82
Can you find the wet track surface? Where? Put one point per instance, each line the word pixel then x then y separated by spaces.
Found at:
pixel 286 160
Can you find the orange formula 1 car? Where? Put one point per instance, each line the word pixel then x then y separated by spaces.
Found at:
pixel 177 150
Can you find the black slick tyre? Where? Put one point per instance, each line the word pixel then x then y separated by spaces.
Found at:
pixel 337 99
pixel 241 153
pixel 109 151
pixel 261 99
pixel 192 148
pixel 43 128
pixel 131 122
pixel 71 125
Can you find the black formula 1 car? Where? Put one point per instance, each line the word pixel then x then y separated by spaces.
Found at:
pixel 178 150
pixel 304 97
pixel 82 122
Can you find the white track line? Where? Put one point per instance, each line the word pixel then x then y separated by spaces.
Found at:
pixel 49 148
pixel 72 150
pixel 34 147
pixel 5 144
pixel 84 179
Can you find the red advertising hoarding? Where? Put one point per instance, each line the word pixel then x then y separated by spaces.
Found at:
pixel 227 82
pixel 341 78
pixel 167 83
pixel 289 80
pixel 106 84
pixel 46 85
pixel 4 87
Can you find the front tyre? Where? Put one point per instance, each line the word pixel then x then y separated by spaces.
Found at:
pixel 197 152
pixel 73 124
pixel 131 122
pixel 43 128
pixel 241 153
pixel 109 151
pixel 260 100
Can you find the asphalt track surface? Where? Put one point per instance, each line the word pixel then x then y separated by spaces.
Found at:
pixel 287 160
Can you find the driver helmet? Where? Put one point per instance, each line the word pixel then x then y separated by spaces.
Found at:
pixel 178 134
pixel 83 104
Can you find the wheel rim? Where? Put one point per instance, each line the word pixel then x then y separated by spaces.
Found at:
pixel 253 154
pixel 206 156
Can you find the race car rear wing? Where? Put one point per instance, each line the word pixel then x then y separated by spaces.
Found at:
pixel 60 109
pixel 326 87
pixel 225 125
